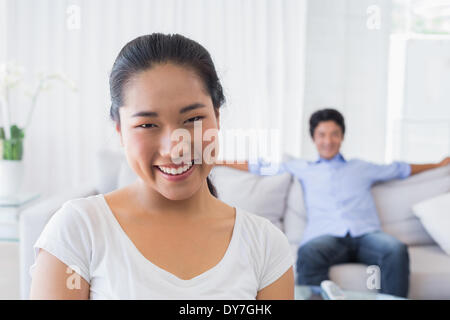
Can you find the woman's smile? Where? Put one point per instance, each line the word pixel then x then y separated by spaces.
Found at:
pixel 176 173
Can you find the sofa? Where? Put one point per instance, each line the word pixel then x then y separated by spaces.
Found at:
pixel 279 198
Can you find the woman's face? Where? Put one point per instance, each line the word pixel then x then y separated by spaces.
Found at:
pixel 157 104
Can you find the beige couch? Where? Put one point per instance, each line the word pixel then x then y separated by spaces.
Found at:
pixel 429 264
pixel 279 198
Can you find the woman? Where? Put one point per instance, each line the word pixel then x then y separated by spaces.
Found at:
pixel 166 236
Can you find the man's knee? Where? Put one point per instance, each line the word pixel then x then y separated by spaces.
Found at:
pixel 399 251
pixel 394 246
pixel 317 251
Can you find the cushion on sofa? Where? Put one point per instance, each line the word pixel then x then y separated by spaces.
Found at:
pixel 430 273
pixel 262 195
pixel 351 276
pixel 126 175
pixel 108 164
pixel 395 199
pixel 295 215
pixel 434 214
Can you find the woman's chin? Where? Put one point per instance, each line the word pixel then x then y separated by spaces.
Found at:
pixel 178 192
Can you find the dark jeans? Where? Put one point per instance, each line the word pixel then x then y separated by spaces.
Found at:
pixel 376 248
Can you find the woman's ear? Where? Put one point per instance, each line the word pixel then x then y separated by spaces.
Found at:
pixel 217 112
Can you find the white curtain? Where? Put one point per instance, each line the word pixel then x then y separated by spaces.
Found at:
pixel 257 46
pixel 3 23
pixel 346 68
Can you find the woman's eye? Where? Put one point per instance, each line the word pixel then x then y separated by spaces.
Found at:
pixel 195 119
pixel 149 125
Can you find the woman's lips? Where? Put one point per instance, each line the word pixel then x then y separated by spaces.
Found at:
pixel 173 165
pixel 176 177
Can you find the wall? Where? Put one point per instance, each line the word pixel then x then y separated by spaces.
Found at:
pixel 346 67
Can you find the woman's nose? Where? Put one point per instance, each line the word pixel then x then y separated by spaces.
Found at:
pixel 166 144
pixel 174 143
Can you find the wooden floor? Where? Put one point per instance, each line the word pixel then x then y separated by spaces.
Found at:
pixel 9 271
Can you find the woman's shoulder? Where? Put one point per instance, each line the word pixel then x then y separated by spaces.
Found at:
pixel 267 245
pixel 82 209
pixel 258 227
pixel 76 223
pixel 252 219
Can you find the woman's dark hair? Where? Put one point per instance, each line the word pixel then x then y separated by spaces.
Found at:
pixel 146 51
pixel 326 115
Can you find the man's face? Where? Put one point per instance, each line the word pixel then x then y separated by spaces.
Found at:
pixel 328 137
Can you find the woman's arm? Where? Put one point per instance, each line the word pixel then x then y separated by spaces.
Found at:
pixel 281 289
pixel 52 279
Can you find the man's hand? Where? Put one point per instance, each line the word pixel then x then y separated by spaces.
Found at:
pixel 444 162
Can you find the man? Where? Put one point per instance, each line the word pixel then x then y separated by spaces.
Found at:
pixel 343 224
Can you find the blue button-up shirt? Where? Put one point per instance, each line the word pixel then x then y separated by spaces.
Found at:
pixel 337 192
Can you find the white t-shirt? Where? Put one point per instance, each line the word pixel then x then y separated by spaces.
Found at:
pixel 85 235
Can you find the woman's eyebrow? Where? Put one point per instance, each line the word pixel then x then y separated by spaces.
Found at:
pixel 145 114
pixel 192 107
pixel 155 114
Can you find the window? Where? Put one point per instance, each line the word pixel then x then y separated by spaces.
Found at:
pixel 418 127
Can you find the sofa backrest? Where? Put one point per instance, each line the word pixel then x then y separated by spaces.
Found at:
pixel 393 199
pixel 109 164
pixel 265 196
pixel 280 198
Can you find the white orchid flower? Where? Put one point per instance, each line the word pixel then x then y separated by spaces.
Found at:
pixel 10 76
pixel 43 85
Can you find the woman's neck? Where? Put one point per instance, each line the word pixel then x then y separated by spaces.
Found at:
pixel 199 204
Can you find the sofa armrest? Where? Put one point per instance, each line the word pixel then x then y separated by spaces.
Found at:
pixel 31 223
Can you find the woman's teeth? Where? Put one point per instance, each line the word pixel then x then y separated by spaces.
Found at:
pixel 177 171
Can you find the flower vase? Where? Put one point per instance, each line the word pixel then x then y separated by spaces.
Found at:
pixel 11 176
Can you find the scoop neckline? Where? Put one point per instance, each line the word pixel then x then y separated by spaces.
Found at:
pixel 166 274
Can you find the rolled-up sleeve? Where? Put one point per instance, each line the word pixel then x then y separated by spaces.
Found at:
pixel 265 168
pixel 254 166
pixel 395 170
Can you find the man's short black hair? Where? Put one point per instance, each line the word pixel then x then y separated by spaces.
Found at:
pixel 326 115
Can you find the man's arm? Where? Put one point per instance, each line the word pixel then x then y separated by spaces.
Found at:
pixel 239 166
pixel 417 168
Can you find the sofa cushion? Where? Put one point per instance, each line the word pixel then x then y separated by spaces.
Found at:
pixel 126 175
pixel 434 214
pixel 350 276
pixel 262 195
pixel 295 215
pixel 430 273
pixel 394 201
pixel 108 164
pixel 409 231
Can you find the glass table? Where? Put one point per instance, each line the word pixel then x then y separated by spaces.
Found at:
pixel 304 292
pixel 10 209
